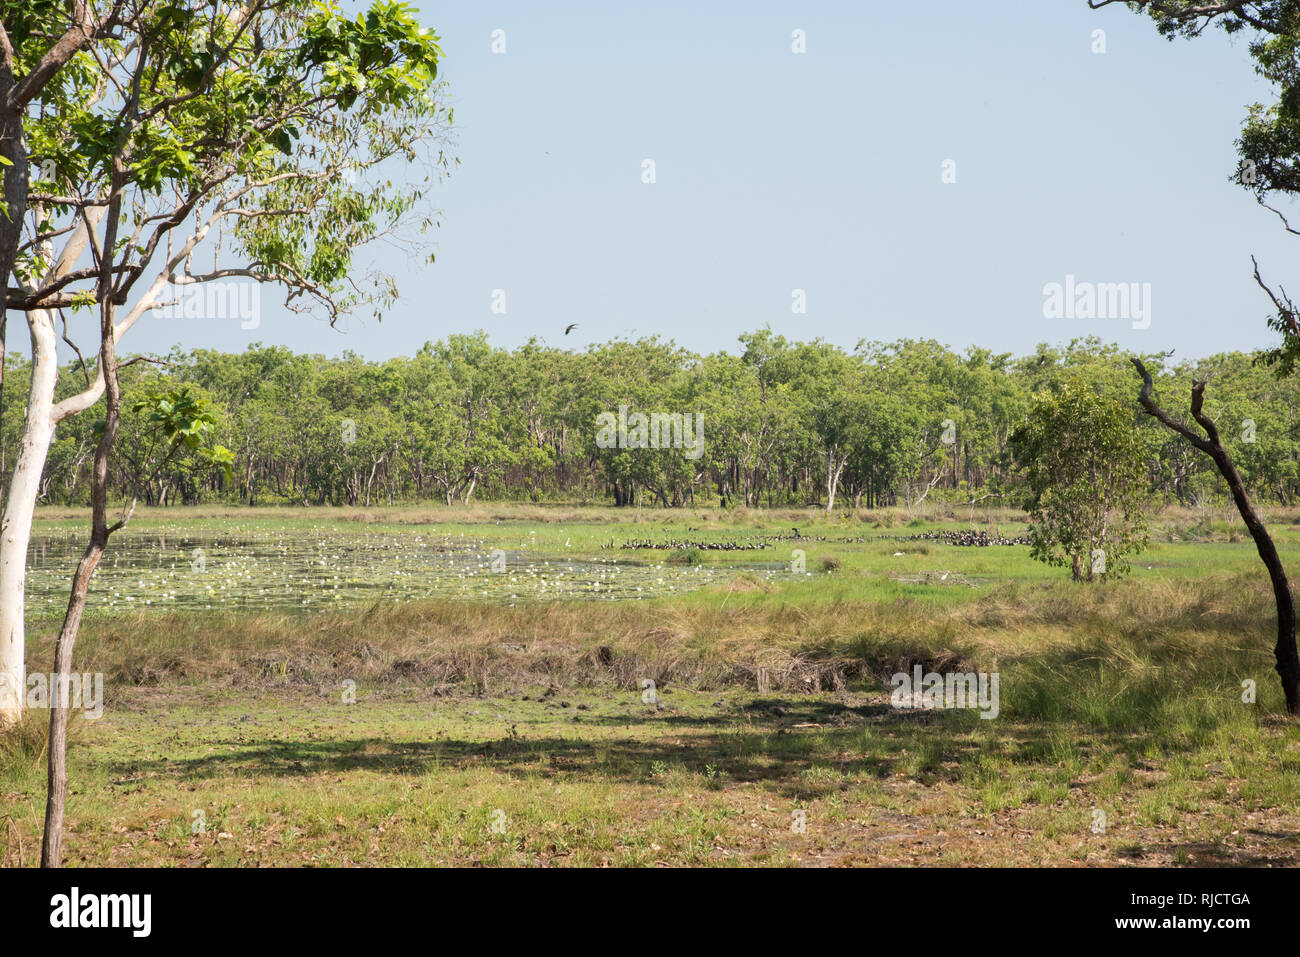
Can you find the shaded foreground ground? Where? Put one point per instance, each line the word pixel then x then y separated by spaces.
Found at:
pixel 581 778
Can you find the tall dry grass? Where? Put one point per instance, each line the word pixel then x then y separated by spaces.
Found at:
pixel 1058 648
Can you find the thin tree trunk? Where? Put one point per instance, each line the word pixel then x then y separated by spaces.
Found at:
pixel 57 791
pixel 1287 659
pixel 56 795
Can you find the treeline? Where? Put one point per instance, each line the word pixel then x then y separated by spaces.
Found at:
pixel 783 424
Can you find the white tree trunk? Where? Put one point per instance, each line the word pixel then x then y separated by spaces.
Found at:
pixel 24 486
pixel 20 508
pixel 833 472
pixel 43 414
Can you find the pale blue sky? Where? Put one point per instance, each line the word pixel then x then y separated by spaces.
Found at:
pixel 821 171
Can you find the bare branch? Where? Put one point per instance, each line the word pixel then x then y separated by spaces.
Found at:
pixel 1154 410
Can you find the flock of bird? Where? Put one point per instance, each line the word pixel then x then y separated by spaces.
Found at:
pixel 700 546
pixel 795 536
pixel 980 539
pixel 977 539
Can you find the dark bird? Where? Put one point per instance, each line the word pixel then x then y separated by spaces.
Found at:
pixel 570 328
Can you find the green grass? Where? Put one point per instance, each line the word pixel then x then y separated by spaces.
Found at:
pixel 592 778
pixel 1122 700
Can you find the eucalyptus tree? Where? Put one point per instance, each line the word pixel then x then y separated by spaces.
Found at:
pixel 571 416
pixel 474 441
pixel 835 406
pixel 878 458
pixel 786 452
pixel 639 377
pixel 192 129
pixel 913 371
pixel 1086 469
pixel 531 378
pixel 727 393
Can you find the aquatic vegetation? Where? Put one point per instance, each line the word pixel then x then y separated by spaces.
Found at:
pixel 256 568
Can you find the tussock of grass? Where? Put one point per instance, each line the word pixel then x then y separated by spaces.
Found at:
pixel 23 745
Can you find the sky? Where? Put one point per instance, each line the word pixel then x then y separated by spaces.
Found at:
pixel 821 171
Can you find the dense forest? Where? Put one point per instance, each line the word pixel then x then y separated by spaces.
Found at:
pixel 784 423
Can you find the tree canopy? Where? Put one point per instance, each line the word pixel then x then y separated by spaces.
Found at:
pixel 885 424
